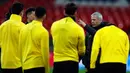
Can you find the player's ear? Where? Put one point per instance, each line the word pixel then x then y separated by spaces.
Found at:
pixel 44 17
pixel 22 13
pixel 64 12
pixel 76 13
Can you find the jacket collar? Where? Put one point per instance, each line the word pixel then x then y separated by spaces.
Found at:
pixel 72 17
pixel 38 22
pixel 16 17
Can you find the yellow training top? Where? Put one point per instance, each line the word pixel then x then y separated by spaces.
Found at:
pixel 68 40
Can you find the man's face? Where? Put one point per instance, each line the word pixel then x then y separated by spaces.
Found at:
pixel 95 20
pixel 31 16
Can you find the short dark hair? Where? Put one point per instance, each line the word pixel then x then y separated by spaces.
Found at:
pixel 17 7
pixel 70 9
pixel 40 12
pixel 29 10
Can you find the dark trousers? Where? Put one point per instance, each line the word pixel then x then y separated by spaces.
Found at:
pixel 112 68
pixel 65 67
pixel 35 70
pixel 18 70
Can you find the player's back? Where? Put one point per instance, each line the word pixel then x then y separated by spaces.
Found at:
pixel 30 44
pixel 114 43
pixel 9 32
pixel 65 33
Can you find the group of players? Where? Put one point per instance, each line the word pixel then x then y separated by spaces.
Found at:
pixel 25 48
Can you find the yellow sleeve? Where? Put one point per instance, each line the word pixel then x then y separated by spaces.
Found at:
pixel 81 42
pixel 20 47
pixel 95 50
pixel 0 36
pixel 127 44
pixel 52 28
pixel 20 50
pixel 45 50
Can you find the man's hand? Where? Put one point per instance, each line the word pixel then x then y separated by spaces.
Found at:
pixel 81 22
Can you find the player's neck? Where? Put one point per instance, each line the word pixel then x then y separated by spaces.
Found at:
pixel 72 16
pixel 28 20
pixel 39 20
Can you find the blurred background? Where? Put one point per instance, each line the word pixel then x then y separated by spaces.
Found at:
pixel 114 11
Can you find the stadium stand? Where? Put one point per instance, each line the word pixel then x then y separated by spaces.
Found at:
pixel 118 15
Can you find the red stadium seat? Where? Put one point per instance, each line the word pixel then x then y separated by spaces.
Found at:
pixel 117 15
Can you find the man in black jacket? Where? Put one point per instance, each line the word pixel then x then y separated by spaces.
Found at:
pixel 97 23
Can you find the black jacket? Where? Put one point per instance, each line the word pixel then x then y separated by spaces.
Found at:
pixel 88 42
